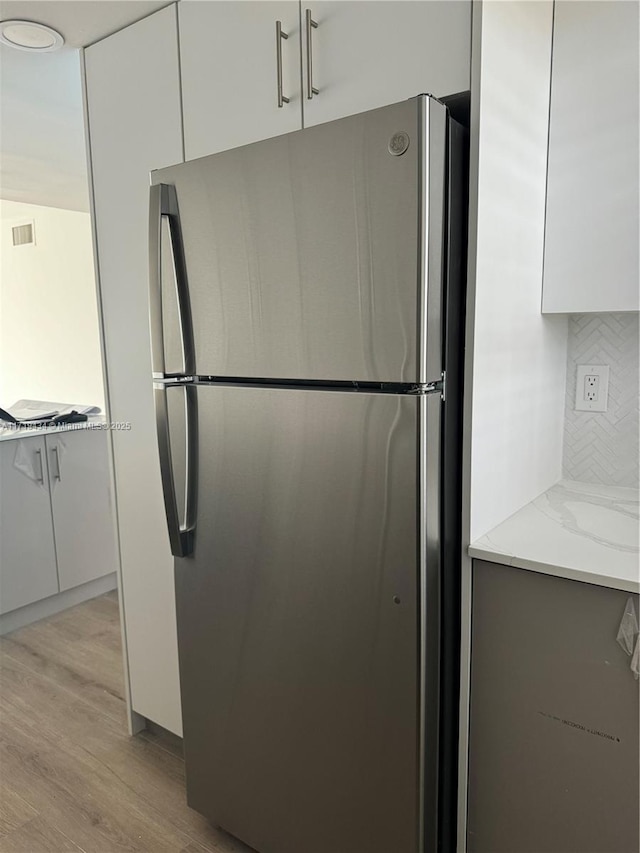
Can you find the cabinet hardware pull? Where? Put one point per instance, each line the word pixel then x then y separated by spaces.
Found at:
pixel 41 477
pixel 280 34
pixel 310 23
pixel 54 450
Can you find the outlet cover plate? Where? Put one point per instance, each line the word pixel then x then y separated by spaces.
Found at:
pixel 592 388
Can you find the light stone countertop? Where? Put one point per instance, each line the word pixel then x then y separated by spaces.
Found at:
pixel 9 432
pixel 580 531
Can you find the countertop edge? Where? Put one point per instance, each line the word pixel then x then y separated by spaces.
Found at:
pixel 97 422
pixel 481 552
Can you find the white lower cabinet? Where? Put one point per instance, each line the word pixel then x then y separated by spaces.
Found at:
pixel 81 506
pixel 56 517
pixel 27 549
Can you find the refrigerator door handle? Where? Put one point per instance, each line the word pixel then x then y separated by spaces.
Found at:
pixel 163 203
pixel 181 531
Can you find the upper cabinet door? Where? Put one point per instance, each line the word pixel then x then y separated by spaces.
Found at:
pixel 591 241
pixel 233 70
pixel 361 55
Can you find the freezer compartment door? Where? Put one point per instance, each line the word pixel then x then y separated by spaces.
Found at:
pixel 297 621
pixel 304 254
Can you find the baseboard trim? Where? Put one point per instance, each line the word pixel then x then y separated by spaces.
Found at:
pixel 164 735
pixel 55 603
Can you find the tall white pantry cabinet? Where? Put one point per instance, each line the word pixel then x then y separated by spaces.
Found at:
pixel 187 81
pixel 132 88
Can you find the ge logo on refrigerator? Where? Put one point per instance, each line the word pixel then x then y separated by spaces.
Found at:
pixel 398 143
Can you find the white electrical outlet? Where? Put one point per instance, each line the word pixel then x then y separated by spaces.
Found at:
pixel 592 387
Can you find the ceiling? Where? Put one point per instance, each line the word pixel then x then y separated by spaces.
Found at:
pixel 81 22
pixel 42 147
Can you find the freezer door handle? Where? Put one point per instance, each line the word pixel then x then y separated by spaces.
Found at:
pixel 181 521
pixel 163 204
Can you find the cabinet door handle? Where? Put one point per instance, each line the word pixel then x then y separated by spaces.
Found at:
pixel 56 473
pixel 310 24
pixel 280 35
pixel 41 477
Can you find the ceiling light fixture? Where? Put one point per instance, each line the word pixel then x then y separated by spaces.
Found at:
pixel 28 35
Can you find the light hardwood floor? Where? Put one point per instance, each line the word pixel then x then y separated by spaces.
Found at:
pixel 71 778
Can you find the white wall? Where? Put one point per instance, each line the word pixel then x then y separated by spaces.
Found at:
pixel 516 358
pixel 49 339
pixel 519 356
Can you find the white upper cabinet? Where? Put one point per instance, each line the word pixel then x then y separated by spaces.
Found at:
pixel 591 242
pixel 231 63
pixel 133 100
pixel 358 55
pixel 364 55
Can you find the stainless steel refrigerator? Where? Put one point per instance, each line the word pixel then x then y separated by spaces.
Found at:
pixel 306 319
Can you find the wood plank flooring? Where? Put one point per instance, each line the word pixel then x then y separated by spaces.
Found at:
pixel 71 778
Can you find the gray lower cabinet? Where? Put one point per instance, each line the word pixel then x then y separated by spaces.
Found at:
pixel 553 753
pixel 27 550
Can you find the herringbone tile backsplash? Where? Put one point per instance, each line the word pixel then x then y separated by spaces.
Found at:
pixel 602 447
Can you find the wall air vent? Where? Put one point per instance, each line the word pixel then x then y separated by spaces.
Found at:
pixel 23 234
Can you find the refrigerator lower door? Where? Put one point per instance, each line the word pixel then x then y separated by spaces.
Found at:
pixel 298 620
